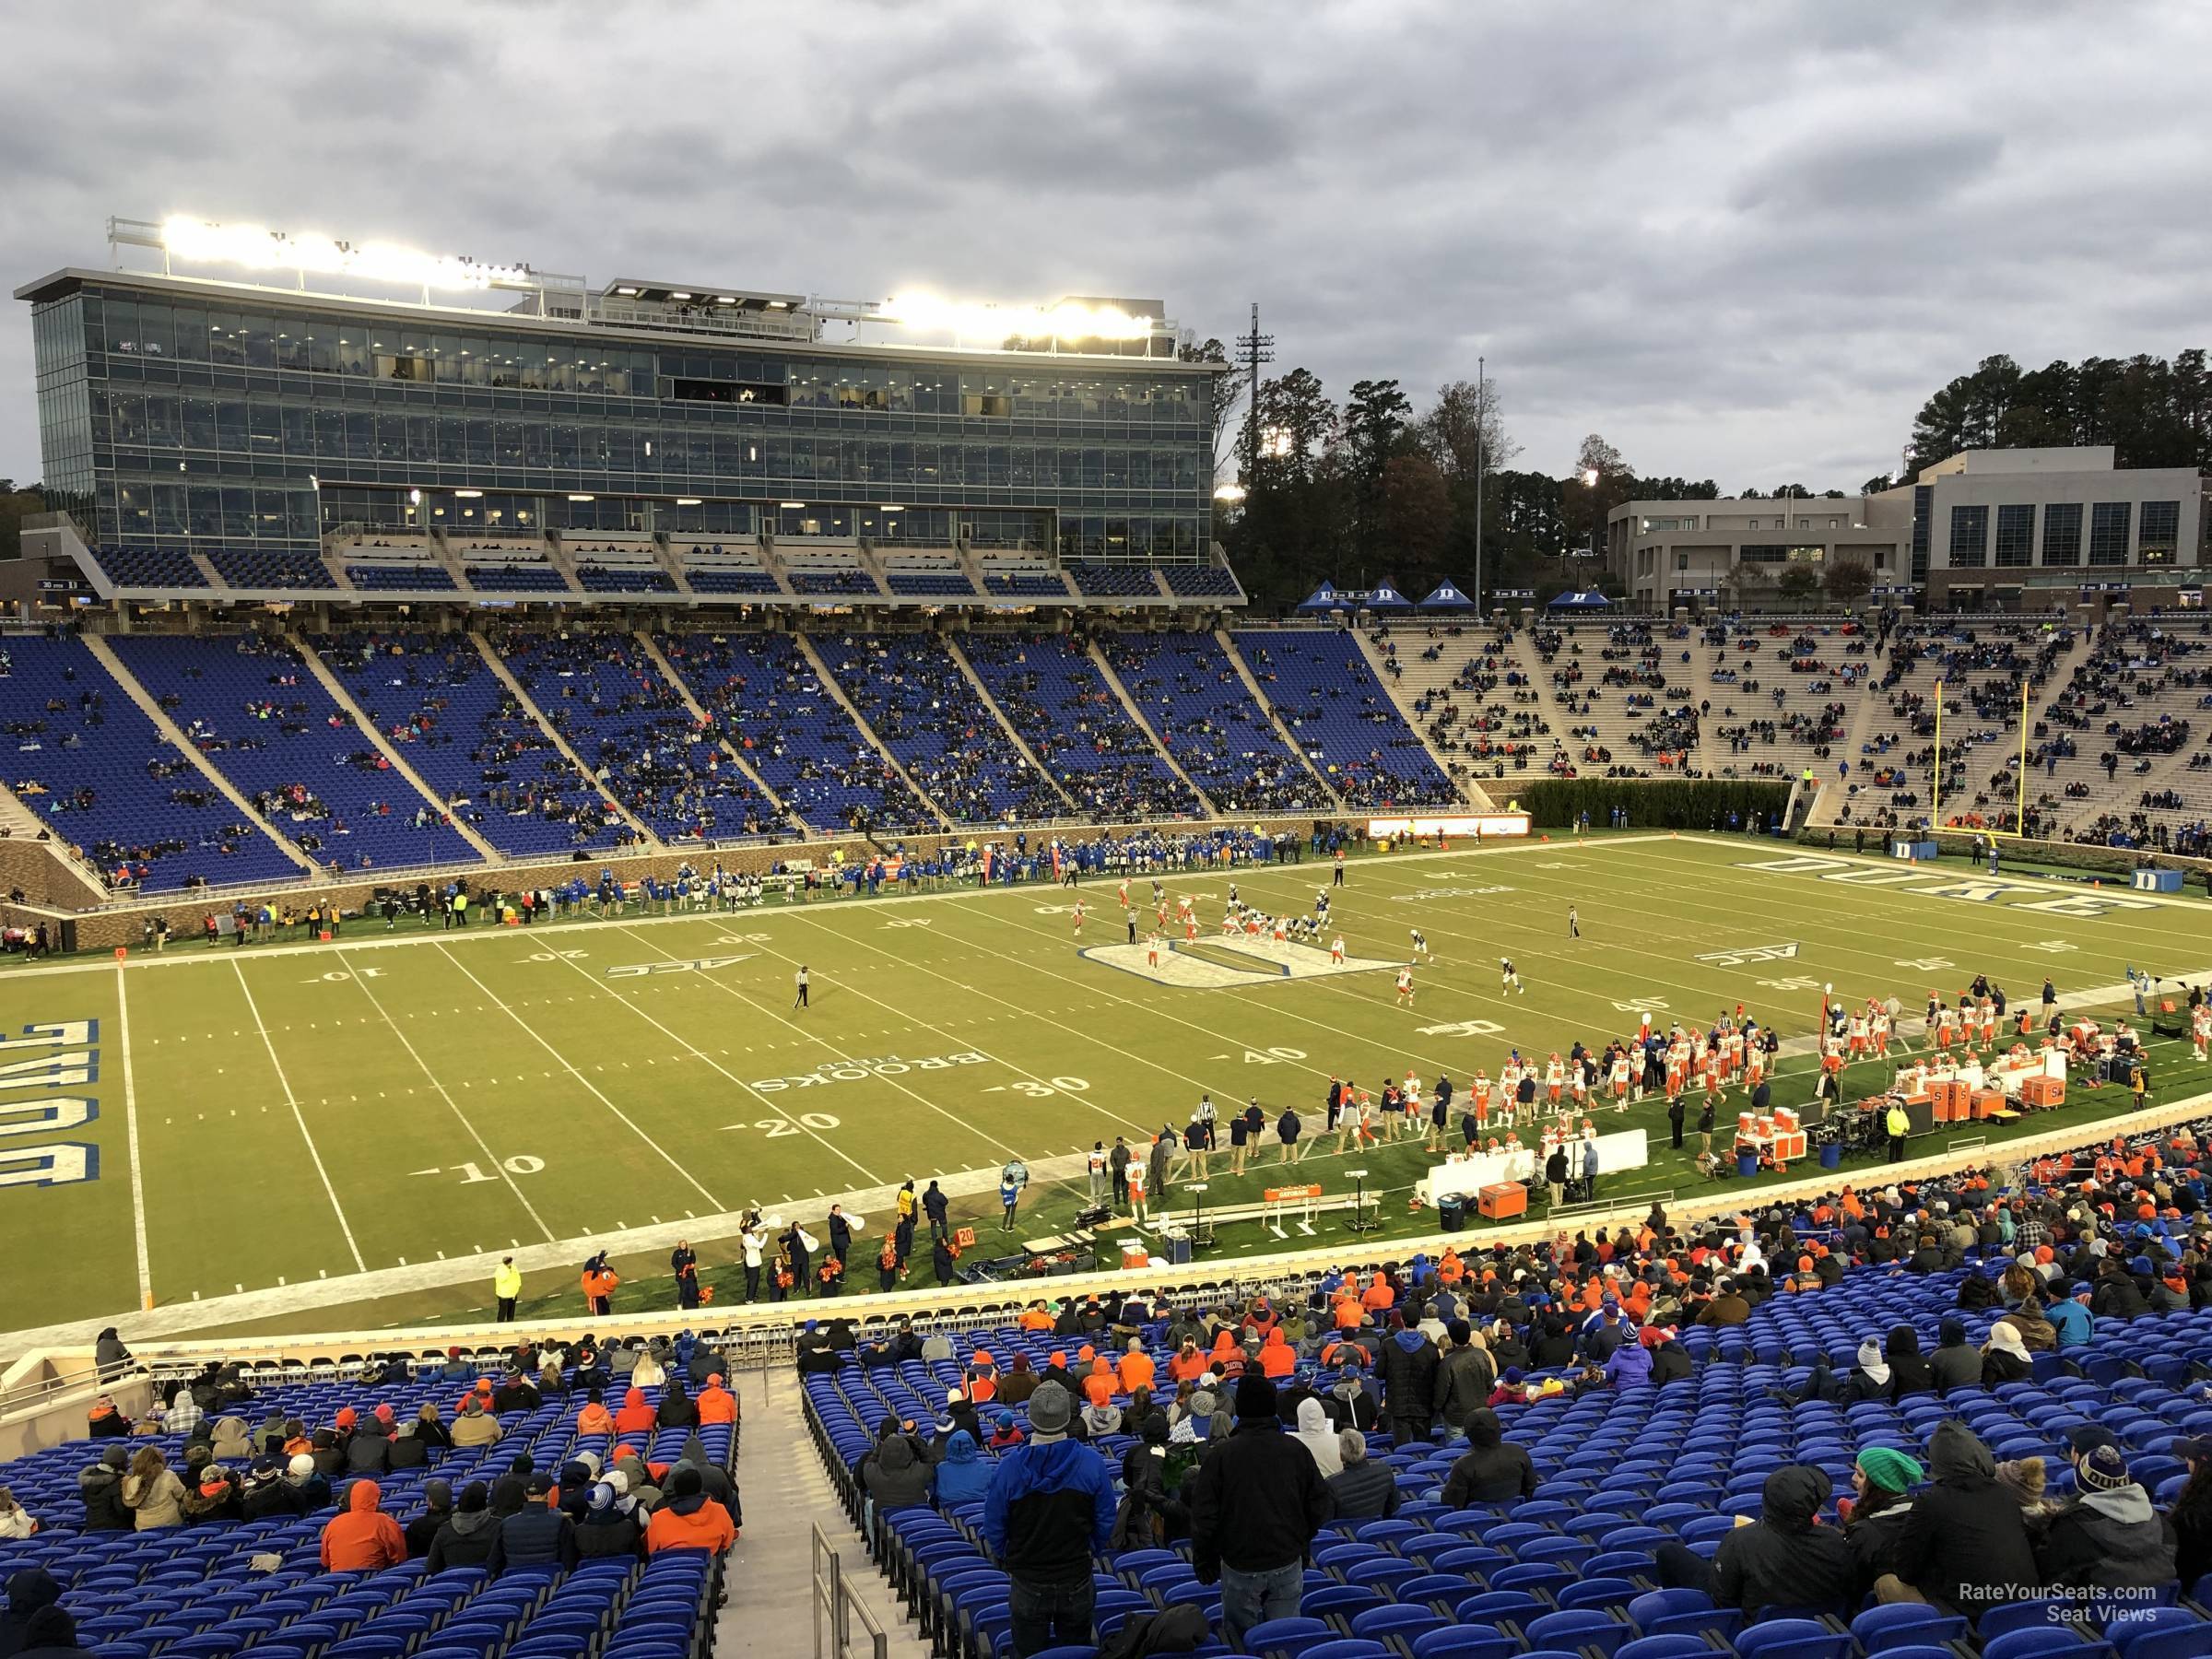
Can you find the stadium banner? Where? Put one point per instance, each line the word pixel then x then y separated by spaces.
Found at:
pixel 1479 823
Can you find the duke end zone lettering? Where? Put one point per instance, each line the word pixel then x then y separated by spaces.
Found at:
pixel 1932 884
pixel 1273 961
pixel 35 1060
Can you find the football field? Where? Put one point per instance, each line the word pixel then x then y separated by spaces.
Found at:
pixel 217 1121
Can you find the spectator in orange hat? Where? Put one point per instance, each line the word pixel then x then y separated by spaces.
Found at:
pixel 983 1377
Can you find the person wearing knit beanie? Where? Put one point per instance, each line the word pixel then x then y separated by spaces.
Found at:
pixel 1889 1469
pixel 2105 1469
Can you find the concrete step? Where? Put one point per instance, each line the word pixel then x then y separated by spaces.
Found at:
pixel 787 1494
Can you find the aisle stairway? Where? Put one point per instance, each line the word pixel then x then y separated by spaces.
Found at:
pixel 787 1492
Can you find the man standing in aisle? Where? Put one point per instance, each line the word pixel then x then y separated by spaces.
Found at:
pixel 507 1285
pixel 1255 1504
pixel 1049 1508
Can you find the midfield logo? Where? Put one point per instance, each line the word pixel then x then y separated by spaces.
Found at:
pixel 1273 961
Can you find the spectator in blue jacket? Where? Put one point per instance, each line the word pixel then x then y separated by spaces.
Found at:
pixel 963 1476
pixel 1050 1507
pixel 2069 1316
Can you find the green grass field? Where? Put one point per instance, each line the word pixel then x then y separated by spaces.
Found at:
pixel 279 1115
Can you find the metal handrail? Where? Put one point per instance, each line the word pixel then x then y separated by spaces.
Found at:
pixel 836 1600
pixel 26 1394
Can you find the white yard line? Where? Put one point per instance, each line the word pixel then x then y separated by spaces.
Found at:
pixel 700 1053
pixel 130 1115
pixel 836 1051
pixel 628 1121
pixel 446 1095
pixel 299 1117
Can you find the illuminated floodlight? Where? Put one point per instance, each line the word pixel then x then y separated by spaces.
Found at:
pixel 469 495
pixel 687 501
pixel 259 249
pixel 792 506
pixel 582 498
pixel 1066 321
pixel 1230 493
pixel 1590 478
pixel 1275 442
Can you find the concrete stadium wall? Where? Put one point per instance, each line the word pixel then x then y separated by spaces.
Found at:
pixel 125 923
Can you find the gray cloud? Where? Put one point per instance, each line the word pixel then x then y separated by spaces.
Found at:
pixel 1742 242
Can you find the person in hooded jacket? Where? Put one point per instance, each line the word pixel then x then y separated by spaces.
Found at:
pixel 1492 1469
pixel 109 1355
pixel 896 1476
pixel 262 1495
pixel 963 1476
pixel 474 1426
pixel 464 1537
pixel 368 1453
pixel 413 1440
pixel 50 1633
pixel 1955 1363
pixel 2004 1357
pixel 1784 1560
pixel 611 1525
pixel 2108 1536
pixel 714 1480
pixel 688 1518
pixel 101 1487
pixel 232 1443
pixel 29 1589
pixel 215 1498
pixel 152 1491
pixel 1909 1372
pixel 1319 1436
pixel 641 1484
pixel 676 1410
pixel 1408 1365
pixel 636 1414
pixel 438 1509
pixel 362 1538
pixel 1965 1546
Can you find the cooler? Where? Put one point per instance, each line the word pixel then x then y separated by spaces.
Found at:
pixel 1788 1145
pixel 1953 1101
pixel 2043 1091
pixel 1451 1213
pixel 1989 1103
pixel 1502 1199
pixel 1136 1257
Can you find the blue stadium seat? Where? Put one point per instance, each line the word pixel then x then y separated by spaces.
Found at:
pixel 1793 1639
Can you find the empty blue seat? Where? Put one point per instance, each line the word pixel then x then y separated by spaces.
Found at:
pixel 1793 1639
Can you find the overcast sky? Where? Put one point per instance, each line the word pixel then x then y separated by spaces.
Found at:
pixel 1741 241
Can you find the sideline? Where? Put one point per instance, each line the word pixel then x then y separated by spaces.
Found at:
pixel 202 954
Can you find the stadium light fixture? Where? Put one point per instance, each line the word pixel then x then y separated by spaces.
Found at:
pixel 679 294
pixel 890 509
pixel 792 506
pixel 582 498
pixel 1066 321
pixel 260 249
pixel 469 495
pixel 687 501
pixel 628 293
